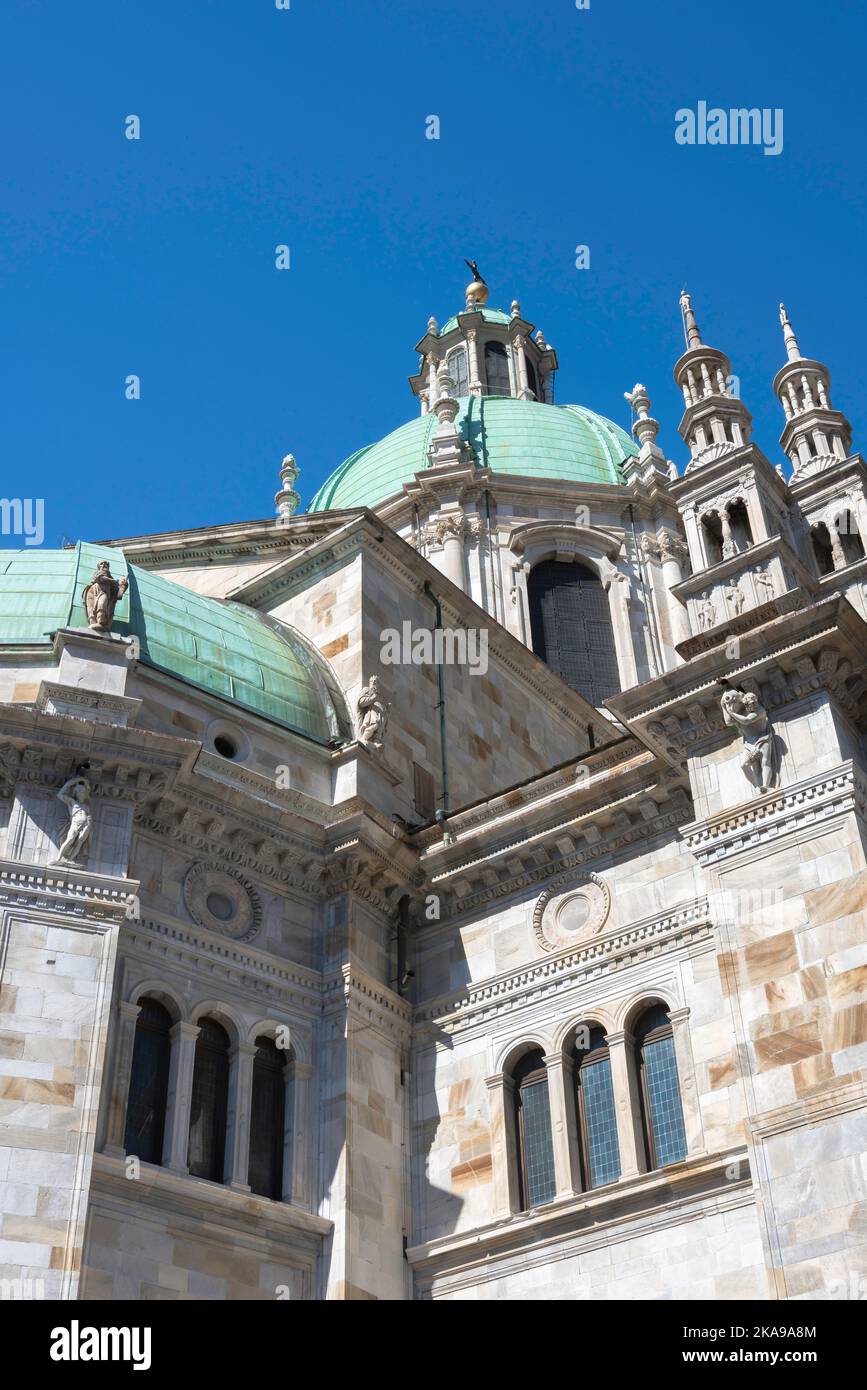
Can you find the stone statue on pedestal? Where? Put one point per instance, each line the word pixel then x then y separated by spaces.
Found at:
pixel 75 793
pixel 101 596
pixel 743 710
pixel 372 715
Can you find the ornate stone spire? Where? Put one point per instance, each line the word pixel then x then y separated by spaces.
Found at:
pixel 715 421
pixel 789 338
pixel 651 461
pixel 815 435
pixel 287 498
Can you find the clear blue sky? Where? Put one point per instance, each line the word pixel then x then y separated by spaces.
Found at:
pixel 307 127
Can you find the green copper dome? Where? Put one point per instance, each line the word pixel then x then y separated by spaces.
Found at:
pixel 524 438
pixel 224 648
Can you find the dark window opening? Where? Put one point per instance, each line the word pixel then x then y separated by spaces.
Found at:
pixel 497 370
pixel 571 627
pixel 225 746
pixel 531 379
pixel 149 1083
pixel 207 1149
pixel 424 798
pixel 739 522
pixel 456 362
pixel 713 537
pixel 822 551
pixel 267 1120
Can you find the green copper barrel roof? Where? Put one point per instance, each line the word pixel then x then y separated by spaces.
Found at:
pixel 224 648
pixel 524 438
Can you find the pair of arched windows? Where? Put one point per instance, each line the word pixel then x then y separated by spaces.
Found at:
pixel 663 1131
pixel 148 1098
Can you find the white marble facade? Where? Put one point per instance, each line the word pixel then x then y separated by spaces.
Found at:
pixel 590 864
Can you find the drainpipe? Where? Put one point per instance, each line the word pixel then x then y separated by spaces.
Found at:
pixel 441 706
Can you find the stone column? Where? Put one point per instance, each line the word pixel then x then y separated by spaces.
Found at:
pixel 524 392
pixel 627 1103
pixel 617 587
pixel 728 541
pixel 504 1149
pixel 237 1162
pixel 176 1141
pixel 472 345
pixel 564 1125
pixel 433 389
pixel 116 1120
pixel 296 1137
pixel 453 549
pixel 686 1079
pixel 672 573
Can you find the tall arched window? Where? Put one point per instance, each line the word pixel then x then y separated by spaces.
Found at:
pixel 207 1150
pixel 571 627
pixel 662 1112
pixel 267 1119
pixel 531 379
pixel 597 1121
pixel 456 362
pixel 533 1126
pixel 497 370
pixel 149 1082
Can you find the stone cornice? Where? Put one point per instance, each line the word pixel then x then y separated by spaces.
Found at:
pixel 753 824
pixel 207 1205
pixel 683 926
pixel 196 950
pixel 67 891
pixel 659 1200
pixel 369 1003
pixel 234 541
pixel 479 871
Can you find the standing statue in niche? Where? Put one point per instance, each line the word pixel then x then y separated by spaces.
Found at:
pixel 75 793
pixel 372 715
pixel 101 596
pixel 742 710
pixel 706 612
pixel 734 597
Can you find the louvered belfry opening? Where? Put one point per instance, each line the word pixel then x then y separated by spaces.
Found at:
pixel 571 627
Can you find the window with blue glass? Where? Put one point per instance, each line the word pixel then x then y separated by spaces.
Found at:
pixel 600 1151
pixel 662 1111
pixel 533 1124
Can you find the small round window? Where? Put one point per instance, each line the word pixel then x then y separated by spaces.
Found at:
pixel 225 746
pixel 220 906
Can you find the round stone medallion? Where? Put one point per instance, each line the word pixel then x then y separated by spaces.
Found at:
pixel 223 901
pixel 571 914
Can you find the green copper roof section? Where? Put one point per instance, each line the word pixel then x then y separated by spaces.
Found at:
pixel 489 316
pixel 224 648
pixel 523 438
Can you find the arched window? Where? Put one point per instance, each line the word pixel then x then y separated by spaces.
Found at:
pixel 456 362
pixel 149 1082
pixel 711 528
pixel 571 627
pixel 597 1121
pixel 497 370
pixel 267 1120
pixel 533 1126
pixel 662 1113
pixel 209 1102
pixel 822 549
pixel 739 522
pixel 531 379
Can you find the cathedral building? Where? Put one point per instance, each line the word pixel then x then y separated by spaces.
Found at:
pixel 457 890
